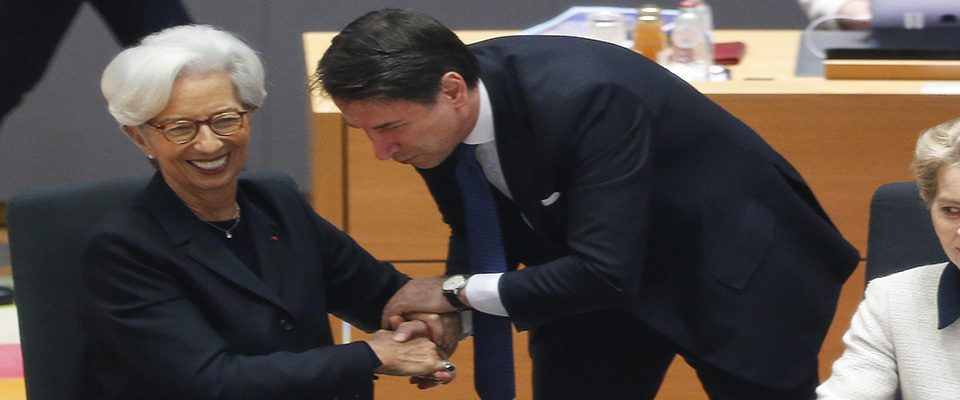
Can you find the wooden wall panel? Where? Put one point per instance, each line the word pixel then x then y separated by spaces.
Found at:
pixel 845 146
pixel 327 168
pixel 389 208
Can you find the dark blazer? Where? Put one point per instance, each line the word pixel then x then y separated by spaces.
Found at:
pixel 669 208
pixel 172 313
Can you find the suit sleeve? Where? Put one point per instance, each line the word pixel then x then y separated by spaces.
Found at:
pixel 608 167
pixel 143 311
pixel 358 285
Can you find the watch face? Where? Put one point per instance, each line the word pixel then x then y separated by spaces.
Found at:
pixel 453 282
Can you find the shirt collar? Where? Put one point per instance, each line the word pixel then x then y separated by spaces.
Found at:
pixel 483 131
pixel 948 296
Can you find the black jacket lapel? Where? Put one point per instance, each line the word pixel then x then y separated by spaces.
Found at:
pixel 270 246
pixel 186 231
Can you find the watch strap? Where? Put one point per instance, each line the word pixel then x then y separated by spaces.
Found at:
pixel 452 293
pixel 455 301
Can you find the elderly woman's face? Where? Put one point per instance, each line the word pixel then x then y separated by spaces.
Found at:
pixel 945 211
pixel 209 162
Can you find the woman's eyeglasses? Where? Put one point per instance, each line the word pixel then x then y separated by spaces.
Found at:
pixel 184 130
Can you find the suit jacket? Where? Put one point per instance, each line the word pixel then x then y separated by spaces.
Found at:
pixel 669 207
pixel 172 313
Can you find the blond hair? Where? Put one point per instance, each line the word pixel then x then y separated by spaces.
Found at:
pixel 937 147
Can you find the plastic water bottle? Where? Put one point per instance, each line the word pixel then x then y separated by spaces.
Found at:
pixel 706 14
pixel 691 54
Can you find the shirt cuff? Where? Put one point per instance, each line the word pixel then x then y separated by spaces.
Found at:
pixel 483 293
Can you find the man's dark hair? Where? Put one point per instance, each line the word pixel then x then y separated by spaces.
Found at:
pixel 394 54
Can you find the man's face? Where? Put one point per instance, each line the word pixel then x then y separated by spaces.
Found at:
pixel 422 135
pixel 406 131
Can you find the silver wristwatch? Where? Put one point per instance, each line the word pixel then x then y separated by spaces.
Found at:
pixel 451 289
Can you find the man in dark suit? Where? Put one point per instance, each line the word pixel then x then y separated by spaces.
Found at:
pixel 651 222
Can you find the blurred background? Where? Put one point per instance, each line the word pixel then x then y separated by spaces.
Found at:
pixel 61 131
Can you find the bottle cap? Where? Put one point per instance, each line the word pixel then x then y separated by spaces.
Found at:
pixel 649 10
pixel 688 4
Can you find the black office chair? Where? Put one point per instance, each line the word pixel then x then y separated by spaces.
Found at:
pixel 901 235
pixel 46 231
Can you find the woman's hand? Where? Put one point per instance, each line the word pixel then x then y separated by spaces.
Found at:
pixel 409 352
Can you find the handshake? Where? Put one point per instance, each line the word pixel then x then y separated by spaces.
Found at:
pixel 421 330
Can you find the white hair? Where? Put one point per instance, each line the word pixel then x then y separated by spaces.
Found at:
pixel 138 82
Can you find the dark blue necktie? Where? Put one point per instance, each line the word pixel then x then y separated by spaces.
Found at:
pixel 492 337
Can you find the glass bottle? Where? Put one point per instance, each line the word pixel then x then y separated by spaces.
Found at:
pixel 649 38
pixel 690 55
pixel 606 26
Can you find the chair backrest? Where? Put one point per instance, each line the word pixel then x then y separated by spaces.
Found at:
pixel 901 235
pixel 46 231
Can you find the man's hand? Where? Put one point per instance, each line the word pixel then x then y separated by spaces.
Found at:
pixel 418 295
pixel 445 330
pixel 414 355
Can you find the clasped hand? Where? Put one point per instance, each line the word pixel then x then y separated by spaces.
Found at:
pixel 427 326
pixel 422 300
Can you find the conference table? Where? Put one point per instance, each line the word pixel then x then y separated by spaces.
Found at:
pixel 846 137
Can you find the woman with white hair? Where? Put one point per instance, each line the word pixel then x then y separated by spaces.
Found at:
pixel 905 333
pixel 210 285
